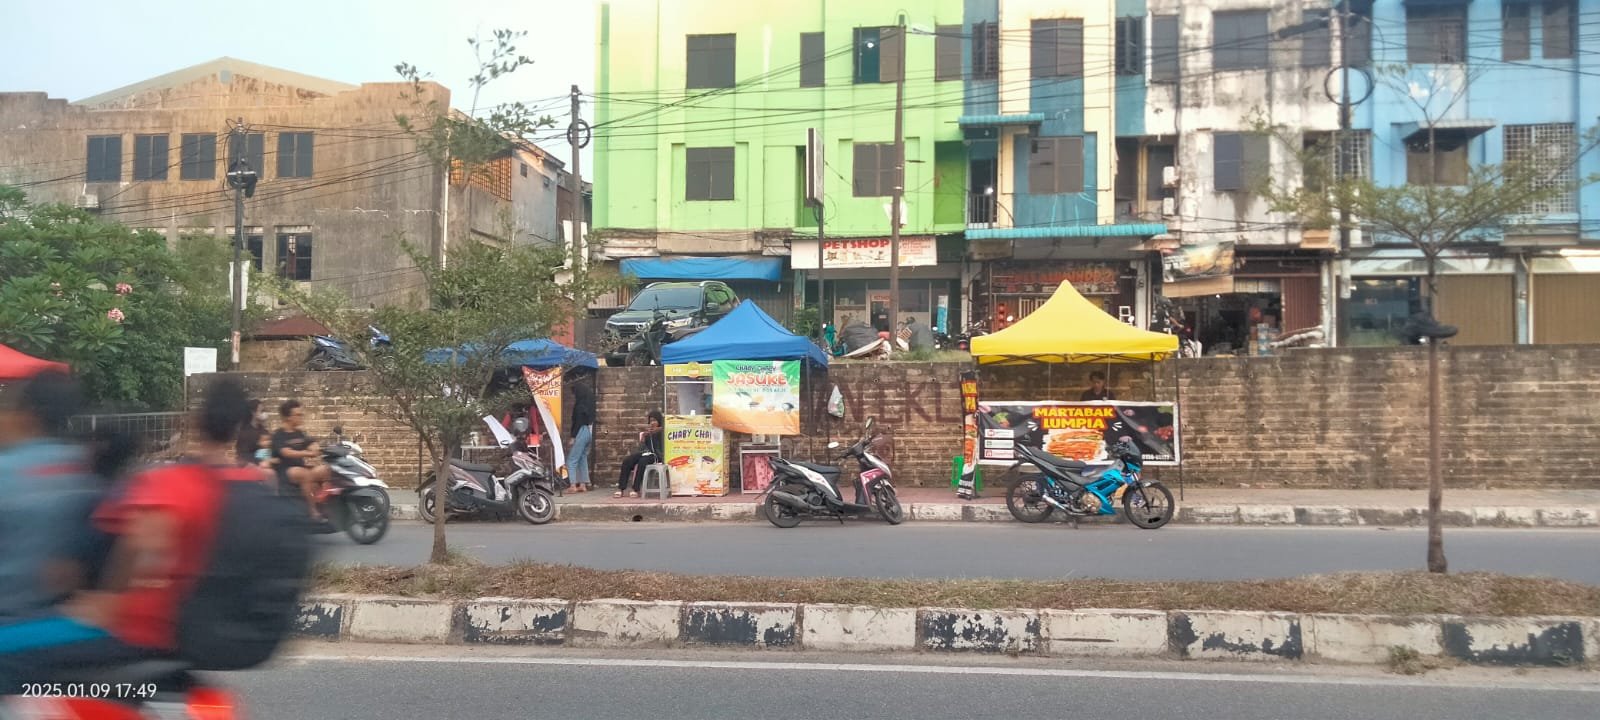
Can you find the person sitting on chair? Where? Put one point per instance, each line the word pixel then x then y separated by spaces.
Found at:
pixel 649 452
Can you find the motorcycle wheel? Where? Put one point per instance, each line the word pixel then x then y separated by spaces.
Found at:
pixel 536 505
pixel 779 514
pixel 366 520
pixel 425 504
pixel 888 505
pixel 1154 509
pixel 1025 500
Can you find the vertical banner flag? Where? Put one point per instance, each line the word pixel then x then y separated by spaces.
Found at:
pixel 966 488
pixel 545 386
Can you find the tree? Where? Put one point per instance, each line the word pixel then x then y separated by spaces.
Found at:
pixel 1431 214
pixel 481 298
pixel 116 305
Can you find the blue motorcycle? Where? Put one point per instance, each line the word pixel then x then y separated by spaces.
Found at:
pixel 1081 490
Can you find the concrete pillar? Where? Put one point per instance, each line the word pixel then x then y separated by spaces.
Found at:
pixel 1522 286
pixel 1141 293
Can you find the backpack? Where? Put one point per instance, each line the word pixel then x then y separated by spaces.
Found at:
pixel 245 601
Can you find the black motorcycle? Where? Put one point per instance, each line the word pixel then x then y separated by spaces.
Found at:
pixel 801 489
pixel 664 329
pixel 963 340
pixel 330 353
pixel 475 488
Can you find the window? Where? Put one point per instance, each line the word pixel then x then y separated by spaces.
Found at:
pixel 1316 44
pixel 947 52
pixel 710 173
pixel 104 162
pixel 1239 40
pixel 874 172
pixel 1515 31
pixel 294 255
pixel 1164 48
pixel 1130 46
pixel 1558 35
pixel 198 155
pixel 150 157
pixel 1345 155
pixel 1057 48
pixel 711 61
pixel 524 169
pixel 1436 34
pixel 1239 160
pixel 294 155
pixel 880 52
pixel 1055 166
pixel 813 60
pixel 1445 164
pixel 252 244
pixel 250 147
pixel 1157 158
pixel 1550 150
pixel 1358 36
pixel 985 51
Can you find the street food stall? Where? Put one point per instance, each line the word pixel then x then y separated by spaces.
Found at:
pixel 1067 330
pixel 739 378
pixel 542 364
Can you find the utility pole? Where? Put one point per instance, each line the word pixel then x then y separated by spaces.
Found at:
pixel 814 198
pixel 242 178
pixel 899 186
pixel 576 137
pixel 1342 289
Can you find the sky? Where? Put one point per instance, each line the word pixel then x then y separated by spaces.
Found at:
pixel 80 48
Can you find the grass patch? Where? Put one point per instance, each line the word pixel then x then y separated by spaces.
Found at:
pixel 1410 593
pixel 1404 660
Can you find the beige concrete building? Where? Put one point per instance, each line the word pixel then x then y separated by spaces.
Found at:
pixel 341 185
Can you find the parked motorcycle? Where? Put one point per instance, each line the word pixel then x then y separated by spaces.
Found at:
pixel 142 691
pixel 355 500
pixel 330 353
pixel 528 489
pixel 801 489
pixel 963 340
pixel 1079 490
pixel 645 348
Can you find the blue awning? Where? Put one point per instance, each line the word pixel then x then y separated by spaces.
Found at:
pixel 536 353
pixel 705 268
pixel 1068 231
pixel 1000 120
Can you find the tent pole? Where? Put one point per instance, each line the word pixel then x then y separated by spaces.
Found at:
pixel 1177 418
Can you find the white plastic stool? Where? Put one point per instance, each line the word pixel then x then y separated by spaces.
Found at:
pixel 656 475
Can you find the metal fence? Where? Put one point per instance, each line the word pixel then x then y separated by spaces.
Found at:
pixel 160 434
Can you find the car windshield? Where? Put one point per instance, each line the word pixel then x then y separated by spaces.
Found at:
pixel 672 298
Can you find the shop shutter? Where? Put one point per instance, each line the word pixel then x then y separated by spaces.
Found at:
pixel 1481 305
pixel 775 299
pixel 1302 303
pixel 1564 309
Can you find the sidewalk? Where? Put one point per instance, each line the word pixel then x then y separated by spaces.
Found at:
pixel 1200 506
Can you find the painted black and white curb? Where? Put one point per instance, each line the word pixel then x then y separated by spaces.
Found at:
pixel 1249 636
pixel 1260 515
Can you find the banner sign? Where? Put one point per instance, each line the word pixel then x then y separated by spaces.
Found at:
pixel 756 397
pixel 546 384
pixel 966 487
pixel 1082 431
pixel 1015 278
pixel 695 456
pixel 863 253
pixel 1196 262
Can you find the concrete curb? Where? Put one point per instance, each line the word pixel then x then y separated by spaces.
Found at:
pixel 1253 515
pixel 1103 633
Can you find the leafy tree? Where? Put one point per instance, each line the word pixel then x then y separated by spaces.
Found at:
pixel 116 305
pixel 1432 217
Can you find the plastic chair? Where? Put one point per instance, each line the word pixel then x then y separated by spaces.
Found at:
pixel 656 475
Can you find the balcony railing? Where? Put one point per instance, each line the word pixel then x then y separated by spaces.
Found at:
pixel 981 210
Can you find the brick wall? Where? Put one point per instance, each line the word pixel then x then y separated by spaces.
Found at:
pixel 1354 418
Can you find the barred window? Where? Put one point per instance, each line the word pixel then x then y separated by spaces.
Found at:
pixel 1551 150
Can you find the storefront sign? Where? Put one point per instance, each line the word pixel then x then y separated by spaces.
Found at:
pixel 756 397
pixel 695 456
pixel 863 253
pixel 1044 278
pixel 1082 431
pixel 1196 262
pixel 966 487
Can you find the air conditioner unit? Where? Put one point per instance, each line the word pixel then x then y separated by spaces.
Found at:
pixel 1169 207
pixel 89 201
pixel 1169 176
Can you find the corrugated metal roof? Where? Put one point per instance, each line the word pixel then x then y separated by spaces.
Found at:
pixel 1068 231
pixel 980 120
pixel 1474 126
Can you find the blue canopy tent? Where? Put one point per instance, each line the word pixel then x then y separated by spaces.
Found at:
pixel 747 333
pixel 539 353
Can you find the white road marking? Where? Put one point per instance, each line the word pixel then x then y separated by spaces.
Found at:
pixel 954 670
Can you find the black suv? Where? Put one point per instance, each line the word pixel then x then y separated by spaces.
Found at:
pixel 688 307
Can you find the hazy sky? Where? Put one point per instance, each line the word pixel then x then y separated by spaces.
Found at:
pixel 79 48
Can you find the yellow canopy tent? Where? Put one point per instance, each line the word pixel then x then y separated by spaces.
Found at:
pixel 1070 329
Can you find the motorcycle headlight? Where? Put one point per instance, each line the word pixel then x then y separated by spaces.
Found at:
pixel 679 323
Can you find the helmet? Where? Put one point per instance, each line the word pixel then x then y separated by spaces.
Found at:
pixel 520 426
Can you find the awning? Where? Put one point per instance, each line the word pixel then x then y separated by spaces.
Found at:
pixel 1460 129
pixel 1000 120
pixel 705 268
pixel 534 353
pixel 1070 329
pixel 1067 231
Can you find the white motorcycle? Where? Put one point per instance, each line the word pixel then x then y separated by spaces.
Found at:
pixel 355 500
pixel 801 489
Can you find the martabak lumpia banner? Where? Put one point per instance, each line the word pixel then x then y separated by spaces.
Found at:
pixel 756 397
pixel 1082 431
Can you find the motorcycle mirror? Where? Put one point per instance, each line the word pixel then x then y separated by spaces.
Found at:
pixel 871 421
pixel 338 429
pixel 833 445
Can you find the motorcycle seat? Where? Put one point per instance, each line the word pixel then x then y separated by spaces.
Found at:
pixel 1054 461
pixel 818 468
pixel 473 467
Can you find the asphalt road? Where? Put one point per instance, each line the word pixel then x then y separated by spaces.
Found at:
pixel 348 684
pixel 1005 550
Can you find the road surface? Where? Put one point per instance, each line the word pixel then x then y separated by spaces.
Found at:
pixel 349 682
pixel 1004 550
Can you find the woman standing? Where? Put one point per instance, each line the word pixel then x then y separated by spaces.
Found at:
pixel 582 428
